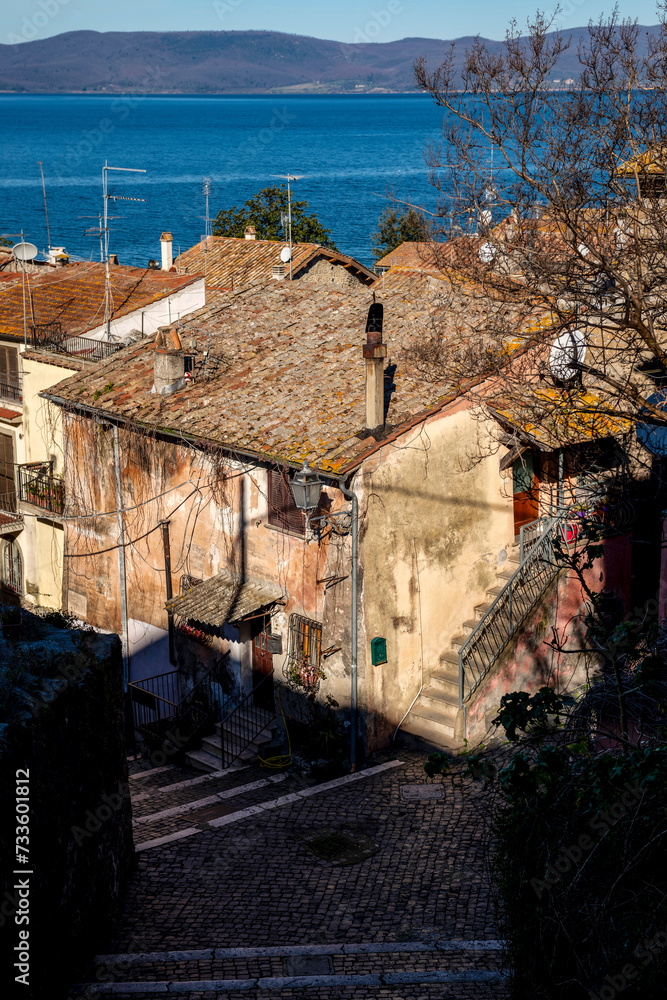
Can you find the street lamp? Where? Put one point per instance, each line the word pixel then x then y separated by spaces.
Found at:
pixel 306 488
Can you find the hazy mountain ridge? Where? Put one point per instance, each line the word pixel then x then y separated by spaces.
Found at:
pixel 227 62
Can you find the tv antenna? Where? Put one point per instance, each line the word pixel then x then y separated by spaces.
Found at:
pixel 46 211
pixel 24 252
pixel 107 198
pixel 289 178
pixel 206 190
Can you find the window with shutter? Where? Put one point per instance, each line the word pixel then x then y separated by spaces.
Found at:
pixel 7 481
pixel 283 512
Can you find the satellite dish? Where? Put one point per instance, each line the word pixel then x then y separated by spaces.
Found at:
pixel 285 255
pixel 567 352
pixel 487 253
pixel 25 251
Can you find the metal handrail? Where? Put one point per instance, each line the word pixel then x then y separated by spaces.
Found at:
pixel 158 700
pixel 513 604
pixel 240 728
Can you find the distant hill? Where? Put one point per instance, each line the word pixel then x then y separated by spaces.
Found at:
pixel 224 62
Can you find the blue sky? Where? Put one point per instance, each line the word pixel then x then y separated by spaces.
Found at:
pixel 343 20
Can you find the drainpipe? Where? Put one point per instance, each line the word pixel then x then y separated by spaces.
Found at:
pixel 121 562
pixel 167 573
pixel 353 624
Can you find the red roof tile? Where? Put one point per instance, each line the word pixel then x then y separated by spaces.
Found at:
pixel 74 296
pixel 230 263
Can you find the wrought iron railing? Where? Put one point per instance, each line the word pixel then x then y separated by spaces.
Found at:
pixel 247 720
pixel 166 712
pixel 510 609
pixel 11 387
pixel 51 338
pixel 530 534
pixel 38 486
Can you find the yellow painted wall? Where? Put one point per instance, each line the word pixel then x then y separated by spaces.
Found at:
pixel 41 540
pixel 437 527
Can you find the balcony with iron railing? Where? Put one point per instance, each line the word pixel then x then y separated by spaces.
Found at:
pixel 39 487
pixel 11 387
pixel 53 339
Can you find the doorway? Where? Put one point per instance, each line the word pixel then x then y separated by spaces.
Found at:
pixel 262 666
pixel 526 490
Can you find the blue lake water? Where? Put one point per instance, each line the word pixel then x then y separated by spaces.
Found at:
pixel 350 150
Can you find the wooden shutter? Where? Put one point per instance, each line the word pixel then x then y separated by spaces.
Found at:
pixel 283 512
pixel 9 361
pixel 7 483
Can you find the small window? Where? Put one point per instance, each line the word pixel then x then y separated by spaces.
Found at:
pixel 12 568
pixel 283 512
pixel 305 641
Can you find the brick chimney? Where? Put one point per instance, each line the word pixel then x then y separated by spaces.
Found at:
pixel 250 233
pixel 374 352
pixel 168 361
pixel 166 244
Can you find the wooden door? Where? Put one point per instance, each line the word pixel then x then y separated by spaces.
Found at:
pixel 7 483
pixel 262 666
pixel 526 491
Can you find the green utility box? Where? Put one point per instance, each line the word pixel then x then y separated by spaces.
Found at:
pixel 378 650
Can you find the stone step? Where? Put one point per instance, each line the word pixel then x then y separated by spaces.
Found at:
pixel 494 592
pixel 449 662
pixel 481 609
pixel 442 705
pixel 457 642
pixel 212 746
pixel 445 682
pixel 438 733
pixel 240 729
pixel 202 760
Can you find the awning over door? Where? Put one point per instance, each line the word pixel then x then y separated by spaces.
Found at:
pixel 224 599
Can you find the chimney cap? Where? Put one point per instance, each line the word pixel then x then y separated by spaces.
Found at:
pixel 166 238
pixel 168 340
pixel 250 233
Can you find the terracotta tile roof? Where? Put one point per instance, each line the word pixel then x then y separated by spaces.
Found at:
pixel 224 598
pixel 9 414
pixel 419 256
pixel 74 296
pixel 285 379
pixel 230 263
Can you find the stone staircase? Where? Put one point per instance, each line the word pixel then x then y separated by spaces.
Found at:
pixel 434 715
pixel 246 720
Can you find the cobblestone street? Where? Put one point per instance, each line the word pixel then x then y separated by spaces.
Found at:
pixel 243 907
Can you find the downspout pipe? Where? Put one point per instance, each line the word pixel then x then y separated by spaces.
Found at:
pixel 121 562
pixel 353 623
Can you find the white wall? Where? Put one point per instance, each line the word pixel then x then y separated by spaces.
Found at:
pixel 167 310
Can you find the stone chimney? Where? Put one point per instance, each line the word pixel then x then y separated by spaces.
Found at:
pixel 251 233
pixel 166 244
pixel 168 361
pixel 374 353
pixel 278 272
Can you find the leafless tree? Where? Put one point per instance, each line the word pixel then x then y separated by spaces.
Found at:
pixel 553 206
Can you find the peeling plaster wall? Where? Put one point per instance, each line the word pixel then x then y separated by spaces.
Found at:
pixel 435 527
pixel 218 519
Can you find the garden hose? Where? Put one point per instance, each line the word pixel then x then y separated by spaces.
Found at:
pixel 284 759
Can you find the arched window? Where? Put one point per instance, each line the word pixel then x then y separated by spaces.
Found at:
pixel 12 567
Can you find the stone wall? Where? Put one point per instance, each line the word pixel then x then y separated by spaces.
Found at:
pixel 63 735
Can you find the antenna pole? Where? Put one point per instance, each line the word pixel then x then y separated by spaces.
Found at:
pixel 289 220
pixel 46 211
pixel 25 326
pixel 107 317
